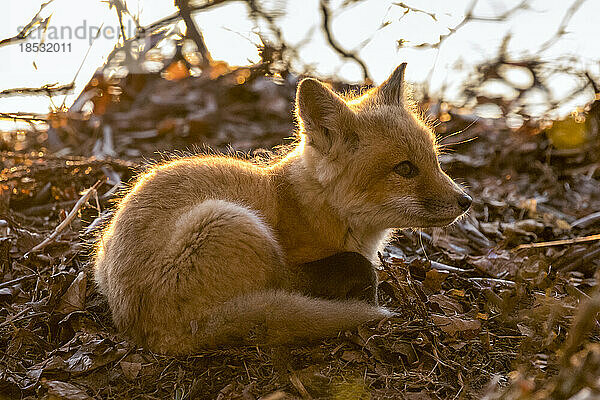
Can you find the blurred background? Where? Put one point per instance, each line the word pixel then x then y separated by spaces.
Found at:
pixel 545 46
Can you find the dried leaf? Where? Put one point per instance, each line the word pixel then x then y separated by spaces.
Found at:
pixel 434 279
pixel 92 355
pixel 74 297
pixel 52 364
pixel 64 390
pixel 131 369
pixel 132 365
pixel 447 304
pixel 353 355
pixel 453 325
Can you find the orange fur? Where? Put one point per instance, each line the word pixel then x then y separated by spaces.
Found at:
pixel 210 250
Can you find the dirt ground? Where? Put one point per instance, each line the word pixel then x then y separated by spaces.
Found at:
pixel 482 312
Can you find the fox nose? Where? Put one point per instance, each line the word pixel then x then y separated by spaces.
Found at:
pixel 464 201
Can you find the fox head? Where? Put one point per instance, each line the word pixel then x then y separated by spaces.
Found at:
pixel 374 158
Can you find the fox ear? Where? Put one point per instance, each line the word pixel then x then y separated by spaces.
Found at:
pixel 392 90
pixel 326 117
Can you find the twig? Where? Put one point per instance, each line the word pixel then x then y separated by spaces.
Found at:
pixel 47 89
pixel 587 220
pixel 336 46
pixel 444 267
pixel 256 11
pixel 563 24
pixel 592 82
pixel 408 9
pixel 20 316
pixel 16 280
pixel 193 32
pixel 295 380
pixel 494 280
pixel 28 29
pixel 152 34
pixel 25 116
pixel 17 316
pixel 176 16
pixel 61 227
pixel 267 53
pixel 582 239
pixel 469 16
pixel 121 8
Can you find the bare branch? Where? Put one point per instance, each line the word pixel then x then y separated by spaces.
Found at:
pixel 257 11
pixel 408 9
pixel 563 24
pixel 193 32
pixel 326 13
pixel 48 89
pixel 72 214
pixel 592 82
pixel 176 16
pixel 36 21
pixel 470 17
pixel 121 9
pixel 22 116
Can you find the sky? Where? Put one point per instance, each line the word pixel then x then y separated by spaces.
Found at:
pixel 229 36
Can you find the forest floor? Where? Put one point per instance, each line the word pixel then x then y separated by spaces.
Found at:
pixel 482 312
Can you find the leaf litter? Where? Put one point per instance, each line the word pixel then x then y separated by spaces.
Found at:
pixel 483 312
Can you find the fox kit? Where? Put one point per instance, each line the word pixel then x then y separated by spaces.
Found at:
pixel 210 250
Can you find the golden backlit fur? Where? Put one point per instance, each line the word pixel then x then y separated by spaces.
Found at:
pixel 212 250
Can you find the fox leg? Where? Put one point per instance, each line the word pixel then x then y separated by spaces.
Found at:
pixel 341 276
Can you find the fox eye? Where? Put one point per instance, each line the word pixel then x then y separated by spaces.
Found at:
pixel 406 169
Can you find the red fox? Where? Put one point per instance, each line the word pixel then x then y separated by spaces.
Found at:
pixel 211 250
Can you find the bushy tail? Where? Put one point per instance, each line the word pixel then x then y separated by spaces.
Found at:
pixel 280 317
